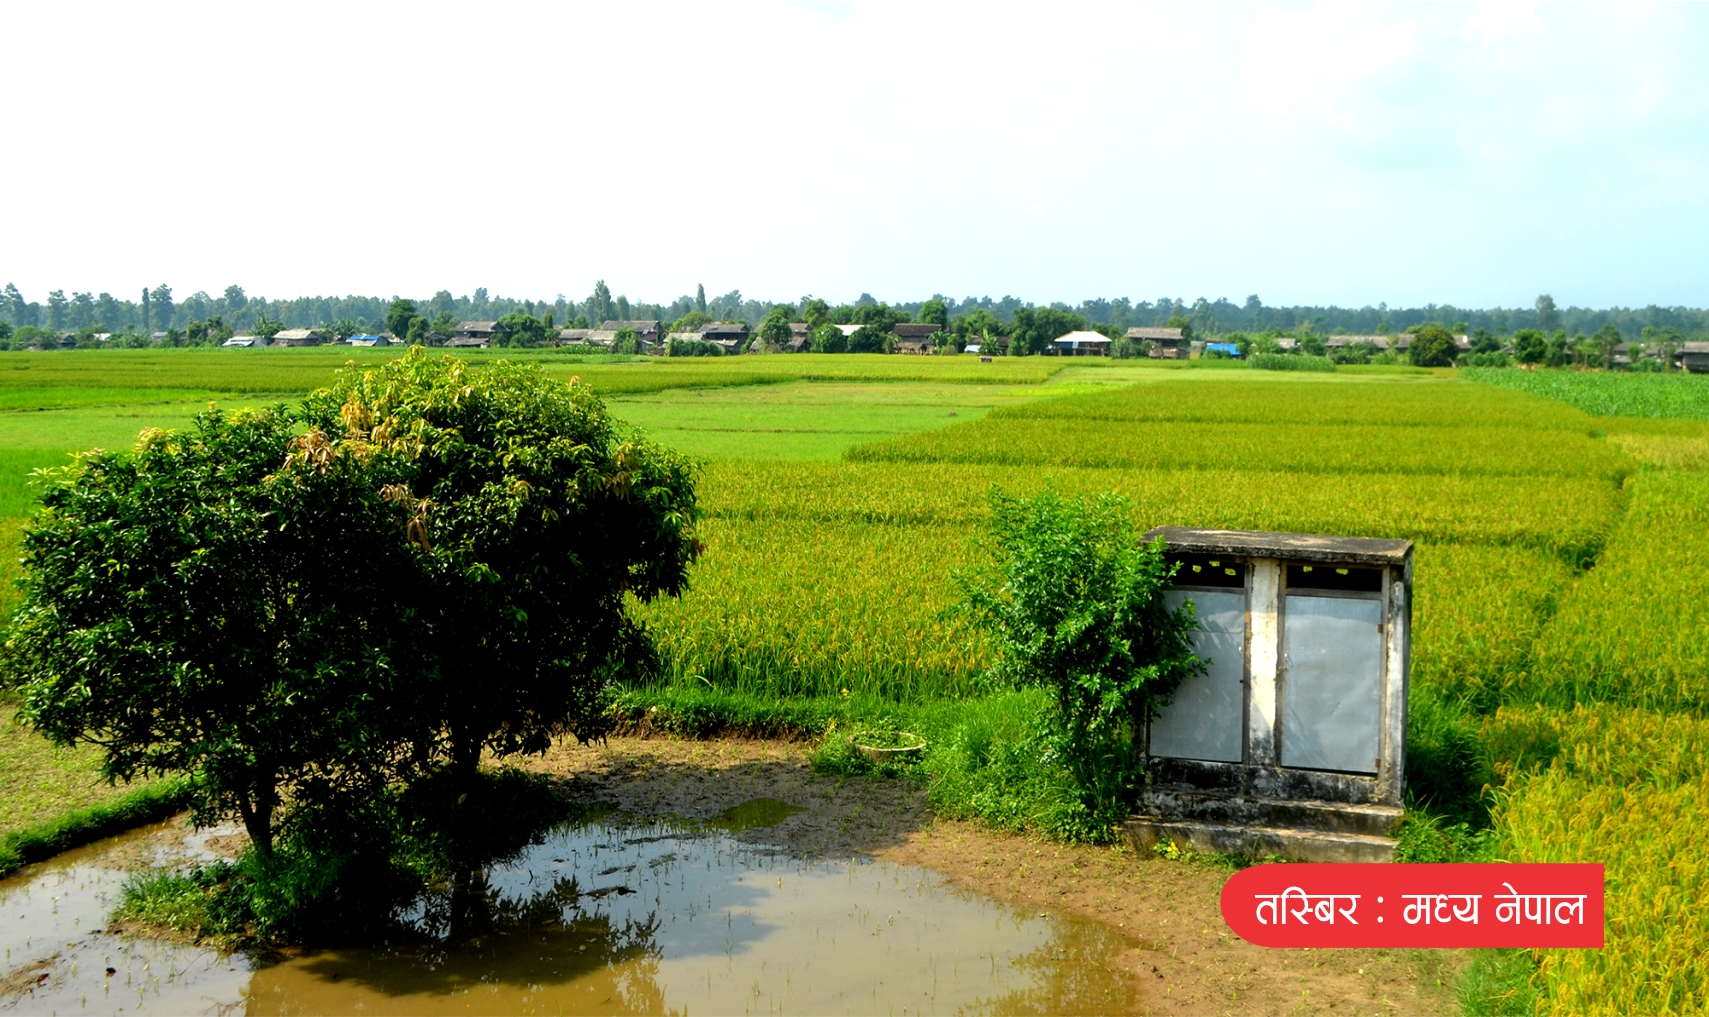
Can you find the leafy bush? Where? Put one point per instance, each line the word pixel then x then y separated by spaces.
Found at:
pixel 1433 346
pixel 692 348
pixel 1355 353
pixel 1073 601
pixel 830 339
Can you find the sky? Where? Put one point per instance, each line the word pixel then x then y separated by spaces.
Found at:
pixel 1474 155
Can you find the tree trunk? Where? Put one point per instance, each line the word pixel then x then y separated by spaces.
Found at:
pixel 258 817
pixel 465 759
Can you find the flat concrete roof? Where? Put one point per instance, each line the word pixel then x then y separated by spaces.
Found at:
pixel 1312 547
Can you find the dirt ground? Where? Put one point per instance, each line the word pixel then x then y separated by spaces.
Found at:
pixel 1167 910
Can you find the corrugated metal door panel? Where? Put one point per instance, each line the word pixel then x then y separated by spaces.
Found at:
pixel 1332 649
pixel 1206 718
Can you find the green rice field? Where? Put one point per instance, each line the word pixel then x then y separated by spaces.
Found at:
pixel 1562 571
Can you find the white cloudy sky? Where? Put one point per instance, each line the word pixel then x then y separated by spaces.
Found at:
pixel 1475 155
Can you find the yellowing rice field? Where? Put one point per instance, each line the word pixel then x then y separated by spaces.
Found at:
pixel 1553 567
pixel 1561 577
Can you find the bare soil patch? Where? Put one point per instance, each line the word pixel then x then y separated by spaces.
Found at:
pixel 1181 950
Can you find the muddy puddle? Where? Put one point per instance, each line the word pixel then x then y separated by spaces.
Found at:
pixel 609 915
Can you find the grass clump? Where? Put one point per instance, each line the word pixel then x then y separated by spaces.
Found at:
pixel 81 826
pixel 1500 983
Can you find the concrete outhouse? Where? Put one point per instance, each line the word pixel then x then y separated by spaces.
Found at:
pixel 1293 740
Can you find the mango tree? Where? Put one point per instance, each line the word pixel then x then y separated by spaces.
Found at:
pixel 226 602
pixel 535 523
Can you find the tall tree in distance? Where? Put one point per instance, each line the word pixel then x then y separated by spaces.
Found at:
pixel 399 315
pixel 599 304
pixel 700 297
pixel 815 312
pixel 774 331
pixel 147 324
pixel 108 313
pixel 235 298
pixel 16 307
pixel 1548 318
pixel 1606 339
pixel 934 312
pixel 162 298
pixel 56 309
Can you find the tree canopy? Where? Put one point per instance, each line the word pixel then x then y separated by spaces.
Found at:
pixel 534 520
pixel 1433 346
pixel 227 602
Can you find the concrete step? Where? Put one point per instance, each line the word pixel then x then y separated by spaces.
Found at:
pixel 1292 843
pixel 1232 809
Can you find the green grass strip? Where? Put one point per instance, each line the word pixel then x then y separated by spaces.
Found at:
pixel 1604 393
pixel 81 826
pixel 1290 362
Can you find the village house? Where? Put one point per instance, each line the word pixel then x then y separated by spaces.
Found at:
pixel 383 339
pixel 298 337
pixel 800 337
pixel 728 334
pixel 1694 357
pixel 646 330
pixel 573 336
pixel 646 333
pixel 474 330
pixel 243 340
pixel 1165 343
pixel 1083 344
pixel 915 337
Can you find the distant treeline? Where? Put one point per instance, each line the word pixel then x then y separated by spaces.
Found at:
pixel 161 310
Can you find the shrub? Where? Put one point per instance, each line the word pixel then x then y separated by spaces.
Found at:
pixel 693 348
pixel 1433 346
pixel 1074 603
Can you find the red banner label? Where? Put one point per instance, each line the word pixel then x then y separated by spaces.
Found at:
pixel 1416 905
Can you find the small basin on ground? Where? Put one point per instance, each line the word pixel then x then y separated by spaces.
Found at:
pixel 906 748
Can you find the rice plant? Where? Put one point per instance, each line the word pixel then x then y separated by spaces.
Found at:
pixel 1628 789
pixel 1414 401
pixel 1296 448
pixel 1632 630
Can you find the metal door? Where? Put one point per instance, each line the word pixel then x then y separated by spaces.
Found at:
pixel 1206 717
pixel 1332 652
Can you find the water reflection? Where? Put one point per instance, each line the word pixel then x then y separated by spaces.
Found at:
pixel 622 915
